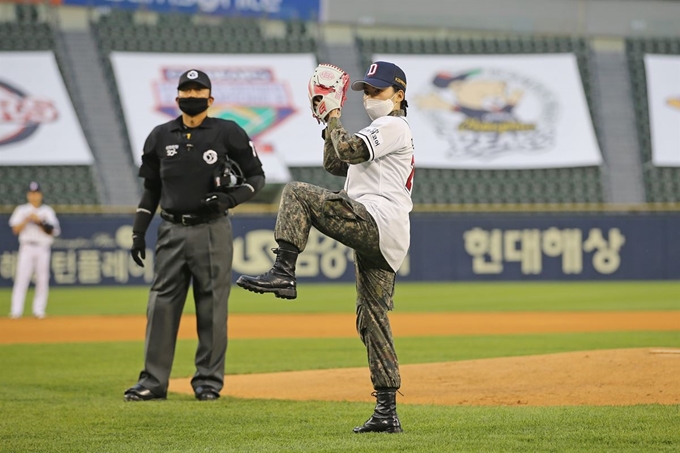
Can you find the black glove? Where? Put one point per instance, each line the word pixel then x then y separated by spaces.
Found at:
pixel 138 248
pixel 47 228
pixel 218 201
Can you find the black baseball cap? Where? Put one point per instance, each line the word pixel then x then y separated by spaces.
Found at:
pixel 382 74
pixel 34 187
pixel 194 76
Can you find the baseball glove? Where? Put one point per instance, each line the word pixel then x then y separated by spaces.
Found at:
pixel 46 227
pixel 327 90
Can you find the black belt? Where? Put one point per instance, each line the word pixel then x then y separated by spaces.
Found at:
pixel 190 219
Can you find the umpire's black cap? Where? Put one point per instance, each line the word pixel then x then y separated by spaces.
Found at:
pixel 194 76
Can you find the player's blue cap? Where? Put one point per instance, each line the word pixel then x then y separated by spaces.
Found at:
pixel 382 74
pixel 34 187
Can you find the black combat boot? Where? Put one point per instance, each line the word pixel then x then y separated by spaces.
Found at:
pixel 384 419
pixel 280 279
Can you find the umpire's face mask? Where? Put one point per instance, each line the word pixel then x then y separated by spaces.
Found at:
pixel 193 106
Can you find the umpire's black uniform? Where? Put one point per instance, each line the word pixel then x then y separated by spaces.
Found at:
pixel 194 245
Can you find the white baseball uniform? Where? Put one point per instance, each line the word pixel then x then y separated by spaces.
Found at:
pixel 34 257
pixel 383 183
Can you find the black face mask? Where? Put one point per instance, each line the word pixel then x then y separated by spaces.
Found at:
pixel 193 106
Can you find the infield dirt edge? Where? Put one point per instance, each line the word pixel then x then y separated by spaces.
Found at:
pixel 618 377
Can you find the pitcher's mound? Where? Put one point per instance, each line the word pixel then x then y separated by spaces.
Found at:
pixel 608 377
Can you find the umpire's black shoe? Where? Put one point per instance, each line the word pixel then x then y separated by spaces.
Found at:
pixel 280 279
pixel 139 393
pixel 206 394
pixel 384 419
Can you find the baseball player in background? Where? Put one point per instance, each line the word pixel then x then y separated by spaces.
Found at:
pixel 371 215
pixel 36 225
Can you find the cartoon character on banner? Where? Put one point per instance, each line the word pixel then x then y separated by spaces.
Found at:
pixel 487 112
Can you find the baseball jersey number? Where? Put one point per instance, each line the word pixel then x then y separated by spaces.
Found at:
pixel 409 180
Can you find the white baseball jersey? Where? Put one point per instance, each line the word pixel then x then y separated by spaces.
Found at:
pixel 33 233
pixel 383 183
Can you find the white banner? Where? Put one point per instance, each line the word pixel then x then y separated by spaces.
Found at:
pixel 38 125
pixel 265 94
pixel 663 94
pixel 498 111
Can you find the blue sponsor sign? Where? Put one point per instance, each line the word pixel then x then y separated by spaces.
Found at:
pixel 468 247
pixel 271 9
pixel 94 249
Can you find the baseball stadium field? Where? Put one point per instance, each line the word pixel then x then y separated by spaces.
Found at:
pixel 489 367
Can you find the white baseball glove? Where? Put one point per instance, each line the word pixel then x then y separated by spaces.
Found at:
pixel 327 90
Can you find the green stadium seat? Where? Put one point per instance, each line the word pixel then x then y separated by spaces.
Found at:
pixel 25 36
pixel 61 184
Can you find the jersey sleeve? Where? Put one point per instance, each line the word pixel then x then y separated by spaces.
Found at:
pixel 151 164
pixel 17 216
pixel 242 150
pixel 384 136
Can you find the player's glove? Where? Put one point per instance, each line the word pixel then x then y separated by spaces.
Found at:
pixel 138 249
pixel 218 201
pixel 327 90
pixel 46 227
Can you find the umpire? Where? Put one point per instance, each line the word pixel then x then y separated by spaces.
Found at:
pixel 196 167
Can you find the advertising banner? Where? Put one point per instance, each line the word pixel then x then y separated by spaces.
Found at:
pixel 270 9
pixel 663 96
pixel 38 124
pixel 264 94
pixel 497 111
pixel 94 250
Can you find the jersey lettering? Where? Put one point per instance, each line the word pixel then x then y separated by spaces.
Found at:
pixel 376 137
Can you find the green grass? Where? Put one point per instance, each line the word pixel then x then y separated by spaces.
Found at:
pixel 68 397
pixel 409 297
pixel 55 361
pixel 53 393
pixel 230 425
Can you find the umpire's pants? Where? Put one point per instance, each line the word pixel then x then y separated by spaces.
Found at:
pixel 347 221
pixel 200 255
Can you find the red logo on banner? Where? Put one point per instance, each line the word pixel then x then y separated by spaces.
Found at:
pixel 21 114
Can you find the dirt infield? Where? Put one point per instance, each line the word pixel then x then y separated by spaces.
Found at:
pixel 65 329
pixel 595 378
pixel 615 377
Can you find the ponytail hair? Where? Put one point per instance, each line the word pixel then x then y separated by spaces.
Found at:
pixel 403 104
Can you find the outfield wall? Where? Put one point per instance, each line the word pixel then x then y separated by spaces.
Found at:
pixel 93 249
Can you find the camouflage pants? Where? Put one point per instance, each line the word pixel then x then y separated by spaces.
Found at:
pixel 347 221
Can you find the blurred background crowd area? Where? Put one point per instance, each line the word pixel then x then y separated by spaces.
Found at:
pixel 609 39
